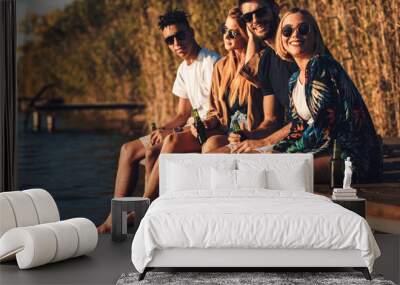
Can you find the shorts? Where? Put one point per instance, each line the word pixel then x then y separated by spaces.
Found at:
pixel 145 140
pixel 264 149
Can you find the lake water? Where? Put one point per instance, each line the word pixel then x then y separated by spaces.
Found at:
pixel 77 167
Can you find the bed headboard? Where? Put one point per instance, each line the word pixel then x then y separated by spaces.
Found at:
pixel 294 168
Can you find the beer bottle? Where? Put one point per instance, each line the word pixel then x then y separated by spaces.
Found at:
pixel 199 125
pixel 336 166
pixel 153 126
pixel 237 130
pixel 236 126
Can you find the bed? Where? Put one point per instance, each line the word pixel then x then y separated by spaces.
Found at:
pixel 247 210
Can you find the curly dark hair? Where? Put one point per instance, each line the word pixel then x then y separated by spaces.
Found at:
pixel 240 2
pixel 173 17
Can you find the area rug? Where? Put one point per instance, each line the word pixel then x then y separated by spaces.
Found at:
pixel 243 278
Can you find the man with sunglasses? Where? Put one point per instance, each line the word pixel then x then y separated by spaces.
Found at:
pixel 192 87
pixel 266 70
pixel 193 79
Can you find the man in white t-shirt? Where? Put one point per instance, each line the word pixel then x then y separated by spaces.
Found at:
pixel 192 85
pixel 193 80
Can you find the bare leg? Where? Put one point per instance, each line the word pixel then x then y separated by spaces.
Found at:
pixel 127 174
pixel 151 189
pixel 215 144
pixel 177 142
pixel 321 169
pixel 152 154
pixel 223 149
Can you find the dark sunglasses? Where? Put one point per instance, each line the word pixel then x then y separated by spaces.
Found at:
pixel 179 36
pixel 303 29
pixel 260 13
pixel 231 34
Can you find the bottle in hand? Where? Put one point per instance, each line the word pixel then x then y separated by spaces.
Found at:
pixel 236 126
pixel 199 125
pixel 336 166
pixel 237 129
pixel 153 126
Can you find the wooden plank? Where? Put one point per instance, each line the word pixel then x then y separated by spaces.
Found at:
pixel 391 176
pixel 391 164
pixel 391 148
pixel 385 193
pixel 95 106
pixel 391 212
pixel 391 142
pixel 378 210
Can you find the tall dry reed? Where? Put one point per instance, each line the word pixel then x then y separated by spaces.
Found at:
pixel 113 51
pixel 361 34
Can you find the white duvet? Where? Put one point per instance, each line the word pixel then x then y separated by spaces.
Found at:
pixel 254 218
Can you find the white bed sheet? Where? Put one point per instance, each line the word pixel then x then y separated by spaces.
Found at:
pixel 252 218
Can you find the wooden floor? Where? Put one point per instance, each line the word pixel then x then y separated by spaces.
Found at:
pixel 106 264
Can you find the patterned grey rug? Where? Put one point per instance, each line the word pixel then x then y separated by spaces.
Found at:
pixel 243 278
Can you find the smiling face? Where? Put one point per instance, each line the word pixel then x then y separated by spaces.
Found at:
pixel 262 18
pixel 301 42
pixel 181 39
pixel 233 40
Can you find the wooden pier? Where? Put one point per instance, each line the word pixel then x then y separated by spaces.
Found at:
pixel 44 103
pixel 95 106
pixel 49 110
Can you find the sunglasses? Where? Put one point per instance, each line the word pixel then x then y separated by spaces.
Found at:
pixel 179 36
pixel 231 34
pixel 303 29
pixel 260 13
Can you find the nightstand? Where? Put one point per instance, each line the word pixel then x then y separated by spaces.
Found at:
pixel 355 205
pixel 120 207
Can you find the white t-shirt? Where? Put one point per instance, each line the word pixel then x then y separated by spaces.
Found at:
pixel 300 103
pixel 193 81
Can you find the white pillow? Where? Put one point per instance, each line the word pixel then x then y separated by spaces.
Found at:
pixel 191 176
pixel 251 178
pixel 293 180
pixel 282 174
pixel 223 179
pixel 237 179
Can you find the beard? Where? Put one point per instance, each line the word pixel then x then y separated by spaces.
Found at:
pixel 272 27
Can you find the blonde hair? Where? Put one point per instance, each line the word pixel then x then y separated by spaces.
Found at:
pixel 230 77
pixel 319 47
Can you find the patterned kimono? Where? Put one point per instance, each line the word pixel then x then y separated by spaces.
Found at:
pixel 339 113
